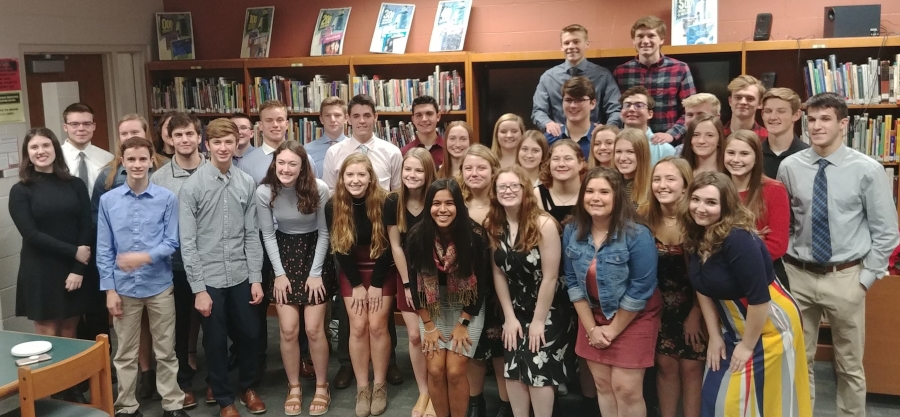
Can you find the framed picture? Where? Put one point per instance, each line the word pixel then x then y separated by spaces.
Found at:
pixel 257 32
pixel 392 28
pixel 450 24
pixel 695 22
pixel 175 36
pixel 328 35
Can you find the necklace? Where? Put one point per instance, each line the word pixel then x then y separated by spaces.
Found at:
pixel 563 202
pixel 673 223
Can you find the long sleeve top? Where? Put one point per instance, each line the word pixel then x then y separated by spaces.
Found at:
pixel 777 218
pixel 218 228
pixel 669 82
pixel 172 177
pixel 284 217
pixel 547 102
pixel 363 229
pixel 129 222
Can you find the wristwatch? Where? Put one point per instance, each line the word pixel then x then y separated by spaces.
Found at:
pixel 464 321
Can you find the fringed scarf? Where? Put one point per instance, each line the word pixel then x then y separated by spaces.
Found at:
pixel 462 291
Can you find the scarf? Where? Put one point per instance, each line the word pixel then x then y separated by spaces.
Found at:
pixel 462 291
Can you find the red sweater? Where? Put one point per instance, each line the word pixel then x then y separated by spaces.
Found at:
pixel 777 217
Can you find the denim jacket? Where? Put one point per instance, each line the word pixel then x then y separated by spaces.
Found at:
pixel 626 268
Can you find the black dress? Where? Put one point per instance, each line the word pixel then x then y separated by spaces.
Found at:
pixel 558 212
pixel 524 276
pixel 54 218
pixel 678 300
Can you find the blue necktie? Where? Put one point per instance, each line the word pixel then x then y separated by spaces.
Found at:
pixel 363 149
pixel 821 234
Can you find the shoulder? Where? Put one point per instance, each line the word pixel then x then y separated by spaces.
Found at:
pixel 329 206
pixel 102 156
pixel 392 199
pixel 19 188
pixel 669 61
pixel 770 185
pixel 858 158
pixel 554 70
pixel 389 147
pixel 796 159
pixel 740 238
pixel 548 225
pixel 264 191
pixel 322 188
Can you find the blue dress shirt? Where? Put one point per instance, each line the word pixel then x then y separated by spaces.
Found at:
pixel 129 222
pixel 317 150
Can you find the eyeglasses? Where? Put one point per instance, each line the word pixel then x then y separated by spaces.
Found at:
pixel 509 187
pixel 636 106
pixel 76 125
pixel 574 101
pixel 244 128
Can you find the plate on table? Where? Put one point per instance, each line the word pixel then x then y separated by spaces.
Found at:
pixel 31 348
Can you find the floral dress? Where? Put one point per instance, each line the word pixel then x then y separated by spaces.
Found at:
pixel 524 276
pixel 678 299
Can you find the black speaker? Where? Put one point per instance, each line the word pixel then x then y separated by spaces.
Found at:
pixel 763 30
pixel 768 80
pixel 850 21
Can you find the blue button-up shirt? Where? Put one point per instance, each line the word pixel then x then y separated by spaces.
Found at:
pixel 143 223
pixel 317 150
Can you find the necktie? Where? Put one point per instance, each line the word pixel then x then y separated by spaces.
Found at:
pixel 82 167
pixel 573 71
pixel 331 143
pixel 821 234
pixel 363 149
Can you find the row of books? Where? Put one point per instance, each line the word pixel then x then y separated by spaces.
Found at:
pixel 873 82
pixel 198 95
pixel 398 94
pixel 299 97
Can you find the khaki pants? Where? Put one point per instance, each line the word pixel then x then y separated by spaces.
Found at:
pixel 161 311
pixel 842 299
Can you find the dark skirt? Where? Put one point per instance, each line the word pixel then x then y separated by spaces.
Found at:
pixel 365 265
pixel 297 253
pixel 491 343
pixel 634 348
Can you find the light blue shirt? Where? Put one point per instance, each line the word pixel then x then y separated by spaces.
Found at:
pixel 658 150
pixel 142 223
pixel 317 150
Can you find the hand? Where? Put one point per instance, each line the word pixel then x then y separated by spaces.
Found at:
pixel 740 357
pixel 409 299
pixel 83 254
pixel 536 336
pixel 764 231
pixel 715 352
pixel 256 293
pixel 553 128
pixel 662 137
pixel 281 289
pixel 73 282
pixel 203 303
pixel 511 329
pixel 132 260
pixel 374 296
pixel 430 340
pixel 315 288
pixel 597 339
pixel 459 339
pixel 693 335
pixel 607 334
pixel 358 305
pixel 114 304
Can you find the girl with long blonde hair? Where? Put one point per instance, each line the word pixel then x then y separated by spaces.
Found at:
pixel 533 155
pixel 457 140
pixel 603 142
pixel 632 157
pixel 508 133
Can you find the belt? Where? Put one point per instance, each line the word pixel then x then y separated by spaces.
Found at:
pixel 818 268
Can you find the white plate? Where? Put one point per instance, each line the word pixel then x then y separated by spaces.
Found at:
pixel 31 348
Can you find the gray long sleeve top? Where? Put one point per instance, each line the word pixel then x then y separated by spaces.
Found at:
pixel 284 217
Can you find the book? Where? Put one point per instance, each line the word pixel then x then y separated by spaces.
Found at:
pixel 695 22
pixel 397 95
pixel 198 95
pixel 257 32
pixel 450 24
pixel 298 96
pixel 392 28
pixel 175 36
pixel 328 34
pixel 872 82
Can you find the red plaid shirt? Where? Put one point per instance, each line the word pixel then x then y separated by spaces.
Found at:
pixel 669 81
pixel 759 130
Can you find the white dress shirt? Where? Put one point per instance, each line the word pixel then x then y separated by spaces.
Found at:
pixel 385 156
pixel 94 157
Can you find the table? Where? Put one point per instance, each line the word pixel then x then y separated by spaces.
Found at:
pixel 63 348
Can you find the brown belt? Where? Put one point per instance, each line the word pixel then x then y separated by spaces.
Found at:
pixel 818 268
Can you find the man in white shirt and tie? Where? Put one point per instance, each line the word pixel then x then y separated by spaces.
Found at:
pixel 333 115
pixel 83 158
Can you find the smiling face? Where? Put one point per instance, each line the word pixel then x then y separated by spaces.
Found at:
pixel 79 127
pixel 564 164
pixel 577 108
pixel 476 172
pixel 739 158
pixel 363 119
pixel 413 173
pixel 825 129
pixel 186 141
pixel 443 209
pixel 287 168
pixel 705 141
pixel 356 180
pixel 425 117
pixel 245 131
pixel 221 150
pixel 599 198
pixel 705 206
pixel 333 120
pixel 530 154
pixel 131 128
pixel 509 135
pixel 273 123
pixel 626 159
pixel 635 111
pixel 604 144
pixel 509 189
pixel 573 44
pixel 744 102
pixel 41 153
pixel 667 183
pixel 778 117
pixel 647 42
pixel 457 141
pixel 136 162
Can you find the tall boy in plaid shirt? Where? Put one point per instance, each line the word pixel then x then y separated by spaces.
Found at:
pixel 668 80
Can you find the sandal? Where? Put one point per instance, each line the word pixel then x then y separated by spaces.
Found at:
pixel 418 410
pixel 429 410
pixel 321 401
pixel 293 400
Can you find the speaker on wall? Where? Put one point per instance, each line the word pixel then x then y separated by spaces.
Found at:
pixel 763 30
pixel 850 21
pixel 768 80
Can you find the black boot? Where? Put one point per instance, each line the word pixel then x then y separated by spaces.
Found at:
pixel 147 384
pixel 476 406
pixel 505 409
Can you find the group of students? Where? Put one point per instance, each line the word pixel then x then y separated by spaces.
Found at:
pixel 577 248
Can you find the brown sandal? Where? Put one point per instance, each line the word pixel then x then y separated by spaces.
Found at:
pixel 294 400
pixel 418 410
pixel 320 401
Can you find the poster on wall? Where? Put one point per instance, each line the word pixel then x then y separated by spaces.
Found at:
pixel 328 35
pixel 450 24
pixel 392 28
pixel 257 32
pixel 175 36
pixel 11 107
pixel 695 22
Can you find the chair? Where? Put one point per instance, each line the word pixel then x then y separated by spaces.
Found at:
pixel 93 364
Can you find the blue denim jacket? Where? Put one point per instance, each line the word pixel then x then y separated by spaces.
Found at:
pixel 626 268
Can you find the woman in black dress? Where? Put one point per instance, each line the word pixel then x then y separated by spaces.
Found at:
pixel 561 179
pixel 52 211
pixel 527 252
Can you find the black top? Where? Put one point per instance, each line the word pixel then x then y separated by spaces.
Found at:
pixel 481 255
pixel 741 268
pixel 363 228
pixel 558 212
pixel 771 162
pixel 389 216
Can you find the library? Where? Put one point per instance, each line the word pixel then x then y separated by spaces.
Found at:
pixel 550 88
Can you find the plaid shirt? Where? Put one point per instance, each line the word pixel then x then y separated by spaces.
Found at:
pixel 669 81
pixel 759 130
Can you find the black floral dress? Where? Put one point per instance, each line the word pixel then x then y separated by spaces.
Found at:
pixel 524 276
pixel 678 300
